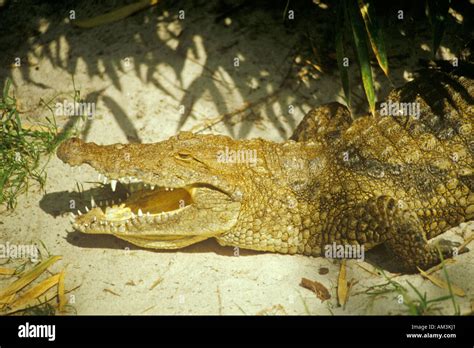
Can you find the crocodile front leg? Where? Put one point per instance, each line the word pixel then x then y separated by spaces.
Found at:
pixel 384 220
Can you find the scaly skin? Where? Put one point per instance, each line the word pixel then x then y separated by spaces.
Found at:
pixel 393 180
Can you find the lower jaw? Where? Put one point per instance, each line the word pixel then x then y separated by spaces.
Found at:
pixel 163 242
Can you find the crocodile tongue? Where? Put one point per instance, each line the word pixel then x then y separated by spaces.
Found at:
pixel 158 200
pixel 144 201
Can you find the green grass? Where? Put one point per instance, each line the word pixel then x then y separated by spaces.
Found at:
pixel 357 24
pixel 457 310
pixel 21 150
pixel 416 303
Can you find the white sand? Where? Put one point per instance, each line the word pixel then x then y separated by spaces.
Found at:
pixel 143 101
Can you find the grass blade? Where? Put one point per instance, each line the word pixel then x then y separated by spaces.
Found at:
pixel 340 54
pixel 28 277
pixel 416 291
pixel 360 41
pixel 437 11
pixel 285 11
pixel 342 290
pixel 6 271
pixel 442 284
pixel 31 296
pixel 115 15
pixel 374 33
pixel 61 291
pixel 20 150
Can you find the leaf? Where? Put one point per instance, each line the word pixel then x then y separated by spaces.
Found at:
pixel 342 289
pixel 115 15
pixel 372 271
pixel 374 33
pixel 340 54
pixel 31 296
pixel 156 283
pixel 110 292
pixel 61 291
pixel 6 300
pixel 442 284
pixel 6 271
pixel 362 50
pixel 437 11
pixel 440 265
pixel 319 289
pixel 44 301
pixel 273 310
pixel 465 243
pixel 28 277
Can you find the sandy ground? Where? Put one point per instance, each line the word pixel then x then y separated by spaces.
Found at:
pixel 153 74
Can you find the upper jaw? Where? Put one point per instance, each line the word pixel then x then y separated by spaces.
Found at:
pixel 151 164
pixel 132 179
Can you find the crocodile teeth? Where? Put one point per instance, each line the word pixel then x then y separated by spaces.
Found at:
pixel 87 209
pixel 92 202
pixel 113 185
pixel 152 187
pixel 140 213
pixel 99 177
pixel 79 212
pixel 105 180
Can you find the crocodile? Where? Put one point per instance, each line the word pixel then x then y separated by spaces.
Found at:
pixel 397 180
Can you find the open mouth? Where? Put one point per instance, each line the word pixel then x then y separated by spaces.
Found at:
pixel 168 205
pixel 135 204
pixel 152 216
